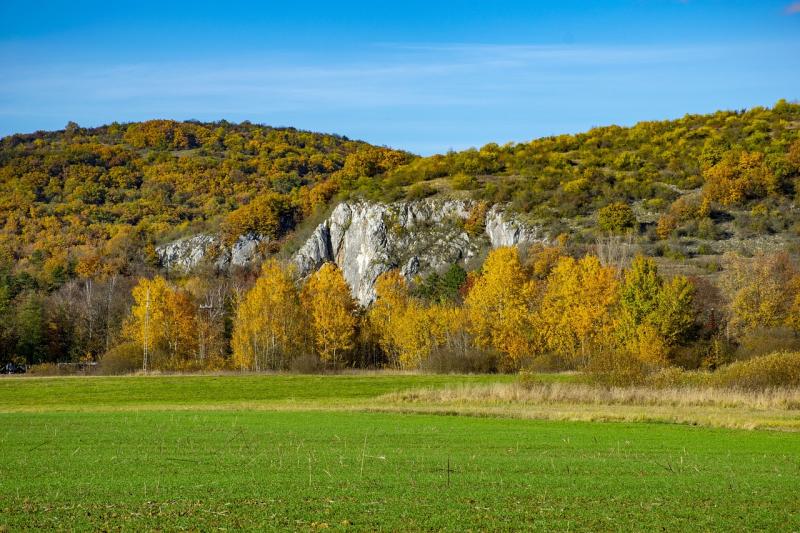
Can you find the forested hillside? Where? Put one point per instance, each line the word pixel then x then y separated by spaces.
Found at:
pixel 82 211
pixel 739 160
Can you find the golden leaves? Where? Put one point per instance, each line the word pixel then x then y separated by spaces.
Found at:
pixel 330 309
pixel 269 321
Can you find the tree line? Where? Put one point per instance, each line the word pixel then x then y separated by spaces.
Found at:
pixel 539 307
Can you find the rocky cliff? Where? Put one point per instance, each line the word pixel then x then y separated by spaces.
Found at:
pixel 366 239
pixel 187 253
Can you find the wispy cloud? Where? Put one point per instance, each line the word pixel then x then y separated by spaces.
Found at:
pixel 419 75
pixel 793 8
pixel 432 96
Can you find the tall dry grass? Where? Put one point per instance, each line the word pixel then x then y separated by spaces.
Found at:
pixel 580 393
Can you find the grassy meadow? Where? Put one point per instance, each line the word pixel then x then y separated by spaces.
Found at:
pixel 374 452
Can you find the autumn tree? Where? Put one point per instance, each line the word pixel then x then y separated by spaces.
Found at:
pixel 213 298
pixel 441 288
pixel 419 329
pixel 738 177
pixel 269 214
pixel 162 323
pixel 330 309
pixel 147 316
pixel 498 306
pixel 616 217
pixel 410 330
pixel 759 290
pixel 575 314
pixel 268 327
pixel 30 329
pixel 391 301
pixel 654 315
pixel 793 315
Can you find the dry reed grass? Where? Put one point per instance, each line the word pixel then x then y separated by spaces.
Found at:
pixel 586 394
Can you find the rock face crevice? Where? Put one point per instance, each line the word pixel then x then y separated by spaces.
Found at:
pixel 366 239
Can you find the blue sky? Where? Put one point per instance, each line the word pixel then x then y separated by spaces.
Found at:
pixel 422 76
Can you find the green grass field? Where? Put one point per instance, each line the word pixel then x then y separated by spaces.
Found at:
pixel 264 452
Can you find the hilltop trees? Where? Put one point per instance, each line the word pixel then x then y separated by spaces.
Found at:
pixel 270 214
pixel 740 176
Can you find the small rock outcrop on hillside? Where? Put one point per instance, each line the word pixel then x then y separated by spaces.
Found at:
pixel 366 239
pixel 187 253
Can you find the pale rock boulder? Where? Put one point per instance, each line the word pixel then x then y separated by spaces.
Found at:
pixel 185 254
pixel 505 230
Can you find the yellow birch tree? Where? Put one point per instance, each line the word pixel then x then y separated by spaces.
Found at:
pixel 269 320
pixel 498 305
pixel 575 314
pixel 330 308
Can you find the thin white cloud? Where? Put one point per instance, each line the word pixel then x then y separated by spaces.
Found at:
pixel 451 89
pixel 408 78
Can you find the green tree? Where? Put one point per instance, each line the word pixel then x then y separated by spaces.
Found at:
pixel 30 330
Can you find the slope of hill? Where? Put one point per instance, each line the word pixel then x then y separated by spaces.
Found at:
pixel 83 211
pixel 115 190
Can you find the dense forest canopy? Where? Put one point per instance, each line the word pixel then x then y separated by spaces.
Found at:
pixel 117 189
pixel 82 209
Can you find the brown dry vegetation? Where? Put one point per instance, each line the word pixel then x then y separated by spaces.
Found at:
pixel 774 408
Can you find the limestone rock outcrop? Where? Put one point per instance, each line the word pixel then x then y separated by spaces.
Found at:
pixel 188 253
pixel 366 239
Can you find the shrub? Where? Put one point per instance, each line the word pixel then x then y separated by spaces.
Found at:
pixel 306 364
pixel 269 214
pixel 617 368
pixel 47 369
pixel 82 368
pixel 667 224
pixel 706 229
pixel 781 369
pixel 475 224
pixel 464 182
pixel 122 359
pixel 764 341
pixel 616 217
pixel 546 362
pixel 444 361
pixel 418 191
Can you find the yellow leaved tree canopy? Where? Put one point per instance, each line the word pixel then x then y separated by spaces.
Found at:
pixel 269 325
pixel 330 309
